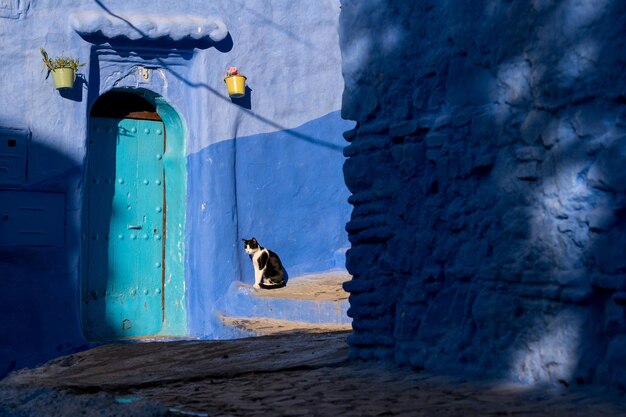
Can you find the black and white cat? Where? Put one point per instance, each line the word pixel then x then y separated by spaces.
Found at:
pixel 268 269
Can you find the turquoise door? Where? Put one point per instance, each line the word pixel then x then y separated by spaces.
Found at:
pixel 125 223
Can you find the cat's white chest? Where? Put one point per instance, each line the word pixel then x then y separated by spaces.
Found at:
pixel 255 261
pixel 258 272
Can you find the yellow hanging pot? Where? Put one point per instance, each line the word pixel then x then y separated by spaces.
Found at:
pixel 63 77
pixel 235 83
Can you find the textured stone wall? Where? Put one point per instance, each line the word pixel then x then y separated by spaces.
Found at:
pixel 488 181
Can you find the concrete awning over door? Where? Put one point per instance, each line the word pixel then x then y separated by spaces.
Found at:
pixel 177 27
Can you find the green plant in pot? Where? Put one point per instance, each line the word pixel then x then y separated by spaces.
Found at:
pixel 63 69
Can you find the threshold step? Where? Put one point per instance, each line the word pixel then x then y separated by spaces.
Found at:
pixel 315 298
pixel 323 286
pixel 263 326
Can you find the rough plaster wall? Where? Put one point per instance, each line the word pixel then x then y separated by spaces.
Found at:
pixel 487 179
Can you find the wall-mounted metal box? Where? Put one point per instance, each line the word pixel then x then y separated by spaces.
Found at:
pixel 29 218
pixel 13 156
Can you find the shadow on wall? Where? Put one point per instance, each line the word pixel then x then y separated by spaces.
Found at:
pixel 277 198
pixel 76 92
pixel 245 101
pixel 247 109
pixel 39 301
pixel 291 196
pixel 489 200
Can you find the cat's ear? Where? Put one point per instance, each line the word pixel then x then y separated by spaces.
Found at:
pixel 253 240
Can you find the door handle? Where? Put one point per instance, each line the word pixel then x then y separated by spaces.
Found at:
pixel 137 227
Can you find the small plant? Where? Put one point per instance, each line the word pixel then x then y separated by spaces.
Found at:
pixel 61 62
pixel 232 71
pixel 63 69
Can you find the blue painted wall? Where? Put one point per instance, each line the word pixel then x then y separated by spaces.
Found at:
pixel 288 50
pixel 284 188
pixel 278 175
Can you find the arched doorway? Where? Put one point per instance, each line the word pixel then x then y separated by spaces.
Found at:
pixel 133 278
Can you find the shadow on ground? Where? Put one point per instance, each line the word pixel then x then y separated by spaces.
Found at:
pixel 289 374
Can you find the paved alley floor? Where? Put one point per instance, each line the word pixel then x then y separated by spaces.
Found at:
pixel 292 374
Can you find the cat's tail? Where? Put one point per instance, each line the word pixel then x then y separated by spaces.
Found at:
pixel 270 285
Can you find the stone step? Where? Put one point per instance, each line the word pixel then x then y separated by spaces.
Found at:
pixel 310 302
pixel 265 327
pixel 324 286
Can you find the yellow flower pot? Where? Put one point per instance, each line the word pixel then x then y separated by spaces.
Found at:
pixel 63 77
pixel 236 85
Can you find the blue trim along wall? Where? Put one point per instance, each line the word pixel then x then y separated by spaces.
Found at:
pixel 284 188
pixel 174 162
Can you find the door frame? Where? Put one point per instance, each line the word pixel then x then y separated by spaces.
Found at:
pixel 175 174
